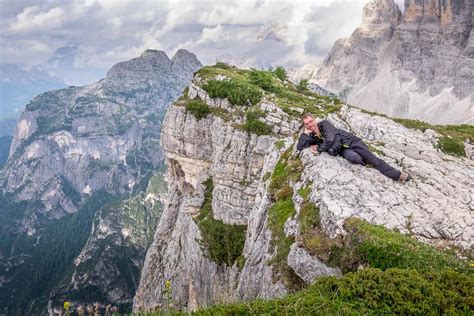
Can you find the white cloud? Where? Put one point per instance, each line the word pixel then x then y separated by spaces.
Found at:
pixel 32 18
pixel 108 31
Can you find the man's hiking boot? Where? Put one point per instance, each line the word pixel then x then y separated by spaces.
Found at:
pixel 404 177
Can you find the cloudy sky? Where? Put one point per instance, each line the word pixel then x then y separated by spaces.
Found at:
pixel 289 33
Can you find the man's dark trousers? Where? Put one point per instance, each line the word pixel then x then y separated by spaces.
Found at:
pixel 359 153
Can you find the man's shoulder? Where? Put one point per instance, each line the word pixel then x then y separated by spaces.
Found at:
pixel 310 135
pixel 323 122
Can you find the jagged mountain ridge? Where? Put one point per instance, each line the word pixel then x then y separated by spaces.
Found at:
pixel 75 150
pixel 418 64
pixel 242 167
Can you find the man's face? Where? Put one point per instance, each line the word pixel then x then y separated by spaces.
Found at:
pixel 309 123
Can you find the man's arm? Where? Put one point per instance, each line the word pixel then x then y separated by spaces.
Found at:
pixel 329 132
pixel 304 141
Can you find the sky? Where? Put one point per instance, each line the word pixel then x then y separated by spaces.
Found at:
pixel 289 33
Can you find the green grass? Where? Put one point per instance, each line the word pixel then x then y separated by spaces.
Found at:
pixel 386 248
pixel 254 125
pixel 309 217
pixel 198 108
pixel 375 149
pixel 279 144
pixel 402 276
pixel 376 246
pixel 263 79
pixel 287 169
pixel 452 136
pixel 282 92
pixel 369 292
pixel 452 146
pixel 222 243
pixel 237 92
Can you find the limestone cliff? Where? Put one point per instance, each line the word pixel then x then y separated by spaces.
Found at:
pixel 233 165
pixel 419 64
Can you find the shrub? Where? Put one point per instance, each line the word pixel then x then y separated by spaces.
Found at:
pixel 303 86
pixel 222 65
pixel 280 72
pixel 237 92
pixel 254 125
pixel 198 108
pixel 452 146
pixel 263 79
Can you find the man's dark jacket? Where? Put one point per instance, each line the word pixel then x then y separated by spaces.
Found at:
pixel 332 139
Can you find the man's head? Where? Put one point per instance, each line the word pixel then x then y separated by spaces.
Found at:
pixel 309 122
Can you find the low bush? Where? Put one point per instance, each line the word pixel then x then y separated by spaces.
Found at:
pixel 254 125
pixel 303 86
pixel 452 146
pixel 263 79
pixel 280 72
pixel 198 108
pixel 237 92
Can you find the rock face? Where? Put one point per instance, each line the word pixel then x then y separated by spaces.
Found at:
pixel 197 150
pixel 75 150
pixel 419 64
pixel 436 206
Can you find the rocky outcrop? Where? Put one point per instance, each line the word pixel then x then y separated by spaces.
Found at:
pixel 197 150
pixel 82 144
pixel 418 64
pixel 435 207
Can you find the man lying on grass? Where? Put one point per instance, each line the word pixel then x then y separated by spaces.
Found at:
pixel 323 136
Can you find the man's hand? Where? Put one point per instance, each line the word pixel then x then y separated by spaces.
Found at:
pixel 314 149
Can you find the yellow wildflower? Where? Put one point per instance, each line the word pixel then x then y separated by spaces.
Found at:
pixel 66 305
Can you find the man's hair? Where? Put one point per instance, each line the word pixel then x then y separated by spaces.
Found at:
pixel 306 115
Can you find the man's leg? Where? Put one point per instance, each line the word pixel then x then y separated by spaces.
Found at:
pixel 352 156
pixel 361 148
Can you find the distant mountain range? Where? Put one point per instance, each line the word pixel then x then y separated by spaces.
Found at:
pixel 80 191
pixel 19 83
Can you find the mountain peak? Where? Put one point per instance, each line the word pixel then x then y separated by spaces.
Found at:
pixel 381 11
pixel 183 59
pixel 145 64
pixel 184 56
pixel 155 54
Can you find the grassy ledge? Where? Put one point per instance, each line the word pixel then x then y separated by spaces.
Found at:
pixel 222 243
pixel 369 292
pixel 402 276
pixel 451 139
pixel 248 87
pixel 287 171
